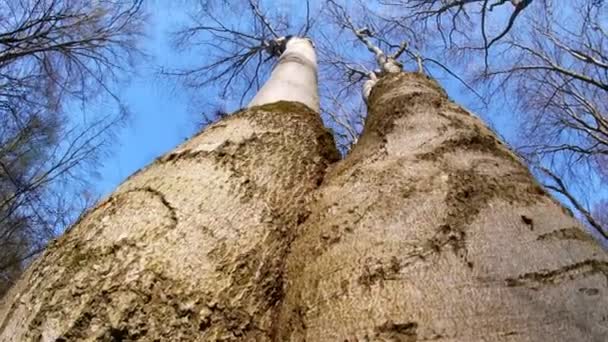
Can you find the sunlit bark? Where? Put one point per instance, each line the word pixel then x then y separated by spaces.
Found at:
pixel 294 78
pixel 190 248
pixel 431 229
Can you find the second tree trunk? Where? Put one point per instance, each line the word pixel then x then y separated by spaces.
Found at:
pixel 431 229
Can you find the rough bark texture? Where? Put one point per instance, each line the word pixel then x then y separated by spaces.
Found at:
pixel 432 230
pixel 190 248
pixel 429 230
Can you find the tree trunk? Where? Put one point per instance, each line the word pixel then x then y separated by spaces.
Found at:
pixel 431 229
pixel 294 78
pixel 190 248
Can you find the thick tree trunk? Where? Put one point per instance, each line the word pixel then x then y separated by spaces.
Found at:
pixel 431 229
pixel 190 248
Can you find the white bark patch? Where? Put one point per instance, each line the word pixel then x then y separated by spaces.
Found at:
pixel 390 66
pixel 368 86
pixel 294 78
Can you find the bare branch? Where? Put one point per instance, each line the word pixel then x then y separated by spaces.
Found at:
pixel 54 53
pixel 560 187
pixel 239 50
pixel 387 64
pixel 262 18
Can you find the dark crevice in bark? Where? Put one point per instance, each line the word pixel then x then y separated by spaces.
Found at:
pixel 453 122
pixel 589 291
pixel 164 201
pixel 469 193
pixel 474 141
pixel 571 233
pixel 115 201
pixel 297 319
pixel 379 271
pixel 527 221
pixel 583 269
pixel 391 331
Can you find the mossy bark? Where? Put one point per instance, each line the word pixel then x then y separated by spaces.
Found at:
pixel 431 229
pixel 190 248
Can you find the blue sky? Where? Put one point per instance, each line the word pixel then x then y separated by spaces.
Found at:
pixel 161 116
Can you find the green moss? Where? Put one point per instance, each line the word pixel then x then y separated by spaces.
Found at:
pixel 390 81
pixel 391 331
pixel 476 141
pixel 280 115
pixel 283 107
pixel 571 233
pixel 469 193
pixel 385 111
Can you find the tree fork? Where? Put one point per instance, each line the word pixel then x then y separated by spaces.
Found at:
pixel 432 229
pixel 189 248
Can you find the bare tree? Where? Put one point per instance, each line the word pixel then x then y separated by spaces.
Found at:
pixel 430 197
pixel 559 73
pixel 457 22
pixel 595 218
pixel 55 55
pixel 240 51
pixel 209 222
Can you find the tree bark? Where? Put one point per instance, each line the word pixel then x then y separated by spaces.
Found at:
pixel 431 229
pixel 294 78
pixel 190 248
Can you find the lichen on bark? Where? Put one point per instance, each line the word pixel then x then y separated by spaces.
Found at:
pixel 190 247
pixel 430 229
pixel 438 232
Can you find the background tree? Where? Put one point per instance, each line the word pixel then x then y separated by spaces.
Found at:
pixel 560 77
pixel 55 56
